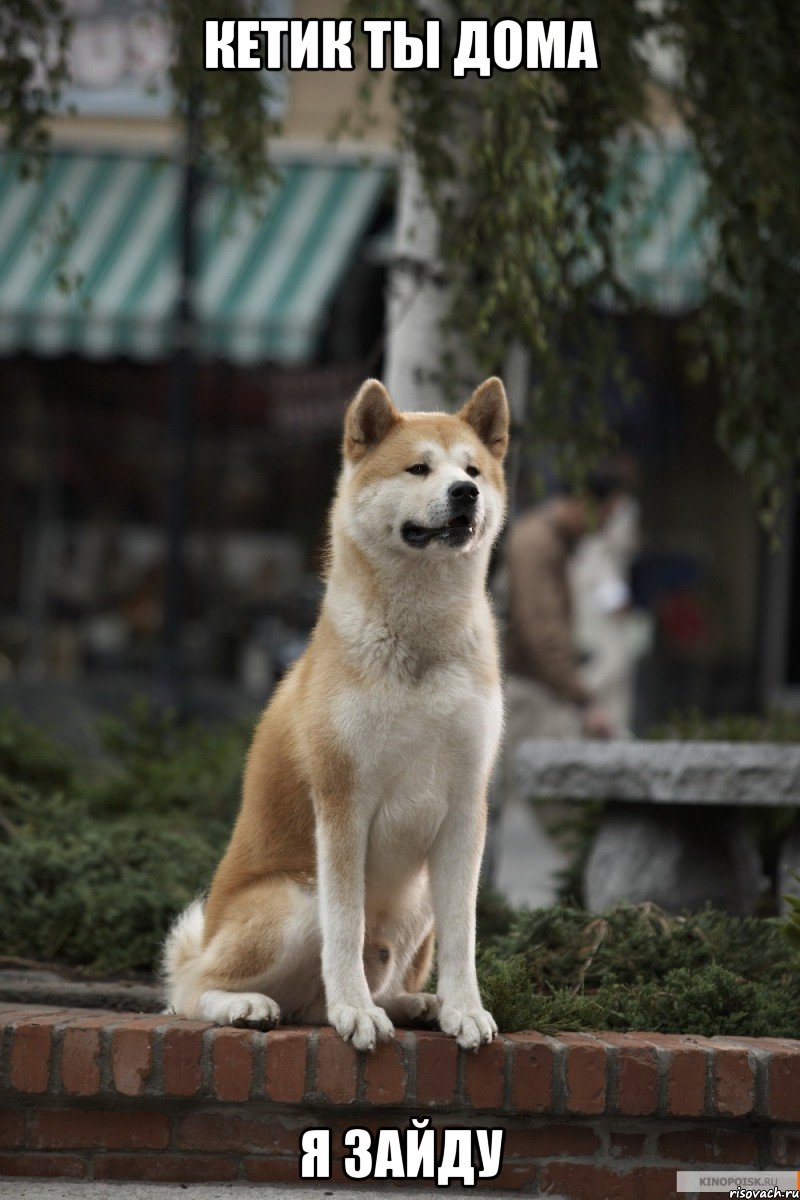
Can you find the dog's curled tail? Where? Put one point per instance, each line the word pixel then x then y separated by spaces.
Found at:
pixel 182 950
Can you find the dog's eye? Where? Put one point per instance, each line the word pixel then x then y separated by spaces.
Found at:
pixel 419 469
pixel 472 471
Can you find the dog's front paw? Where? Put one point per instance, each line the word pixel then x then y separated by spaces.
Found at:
pixel 248 1009
pixel 468 1025
pixel 361 1026
pixel 413 1006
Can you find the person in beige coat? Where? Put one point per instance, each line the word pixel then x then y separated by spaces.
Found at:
pixel 612 633
pixel 546 692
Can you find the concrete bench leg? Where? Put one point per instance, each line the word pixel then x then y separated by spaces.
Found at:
pixel 675 856
pixel 789 868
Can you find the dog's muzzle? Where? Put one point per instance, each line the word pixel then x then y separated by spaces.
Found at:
pixel 462 498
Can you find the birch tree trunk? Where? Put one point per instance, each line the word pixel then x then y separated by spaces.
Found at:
pixel 417 301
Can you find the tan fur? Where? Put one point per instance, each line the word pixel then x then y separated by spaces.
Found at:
pixel 301 782
pixel 417 974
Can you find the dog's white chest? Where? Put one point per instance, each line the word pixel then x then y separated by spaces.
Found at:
pixel 392 731
pixel 415 751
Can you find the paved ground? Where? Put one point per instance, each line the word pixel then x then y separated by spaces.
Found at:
pixel 23 1189
pixel 527 858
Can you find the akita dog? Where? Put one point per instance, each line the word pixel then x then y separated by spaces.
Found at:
pixel 363 814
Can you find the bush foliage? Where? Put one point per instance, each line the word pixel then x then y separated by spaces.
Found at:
pixel 691 725
pixel 96 859
pixel 637 968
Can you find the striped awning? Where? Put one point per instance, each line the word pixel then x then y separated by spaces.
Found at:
pixel 88 257
pixel 663 245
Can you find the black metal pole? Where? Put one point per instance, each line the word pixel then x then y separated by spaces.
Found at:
pixel 182 381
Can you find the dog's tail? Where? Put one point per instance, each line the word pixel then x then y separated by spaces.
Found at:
pixel 180 959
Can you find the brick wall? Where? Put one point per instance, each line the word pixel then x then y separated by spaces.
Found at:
pixel 102 1095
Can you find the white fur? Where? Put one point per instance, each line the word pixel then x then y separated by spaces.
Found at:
pixel 422 728
pixel 184 943
pixel 239 1008
pixel 423 747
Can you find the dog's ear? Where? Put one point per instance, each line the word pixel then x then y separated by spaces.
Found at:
pixel 487 412
pixel 369 418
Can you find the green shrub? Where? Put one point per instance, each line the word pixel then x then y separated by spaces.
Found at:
pixel 30 756
pixel 95 863
pixel 710 1002
pixel 567 947
pixel 100 894
pixel 160 765
pixel 96 860
pixel 692 725
pixel 637 968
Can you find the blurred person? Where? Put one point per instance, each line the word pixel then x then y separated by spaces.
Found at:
pixel 611 634
pixel 547 695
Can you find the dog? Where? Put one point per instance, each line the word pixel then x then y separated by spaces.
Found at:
pixel 363 812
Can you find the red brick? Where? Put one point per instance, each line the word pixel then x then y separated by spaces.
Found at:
pixel 31 1054
pixel 585 1075
pixel 626 1145
pixel 74 1129
pixel 232 1063
pixel 286 1065
pixel 10 1014
pixel 581 1181
pixel 687 1071
pixel 42 1166
pixel 182 1049
pixel 82 1018
pixel 584 1182
pixel 750 1043
pixel 674 1041
pixel 385 1073
pixel 552 1141
pixel 91 1019
pixel 373 1122
pixel 785 1148
pixel 132 1058
pixel 166 1168
pixel 12 1128
pixel 80 1061
pixel 484 1070
pixel 437 1061
pixel 637 1074
pixel 784 1085
pixel 513 1177
pixel 658 1183
pixel 734 1083
pixel 337 1064
pixel 221 1132
pixel 709 1146
pixel 532 1059
pixel 273 1170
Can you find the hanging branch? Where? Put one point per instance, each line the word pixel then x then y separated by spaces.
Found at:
pixel 742 105
pixel 528 192
pixel 518 168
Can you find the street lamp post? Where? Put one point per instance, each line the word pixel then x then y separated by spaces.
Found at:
pixel 182 383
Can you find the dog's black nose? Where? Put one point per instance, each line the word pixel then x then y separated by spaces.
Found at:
pixel 462 494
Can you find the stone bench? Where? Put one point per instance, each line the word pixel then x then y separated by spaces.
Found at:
pixel 672 831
